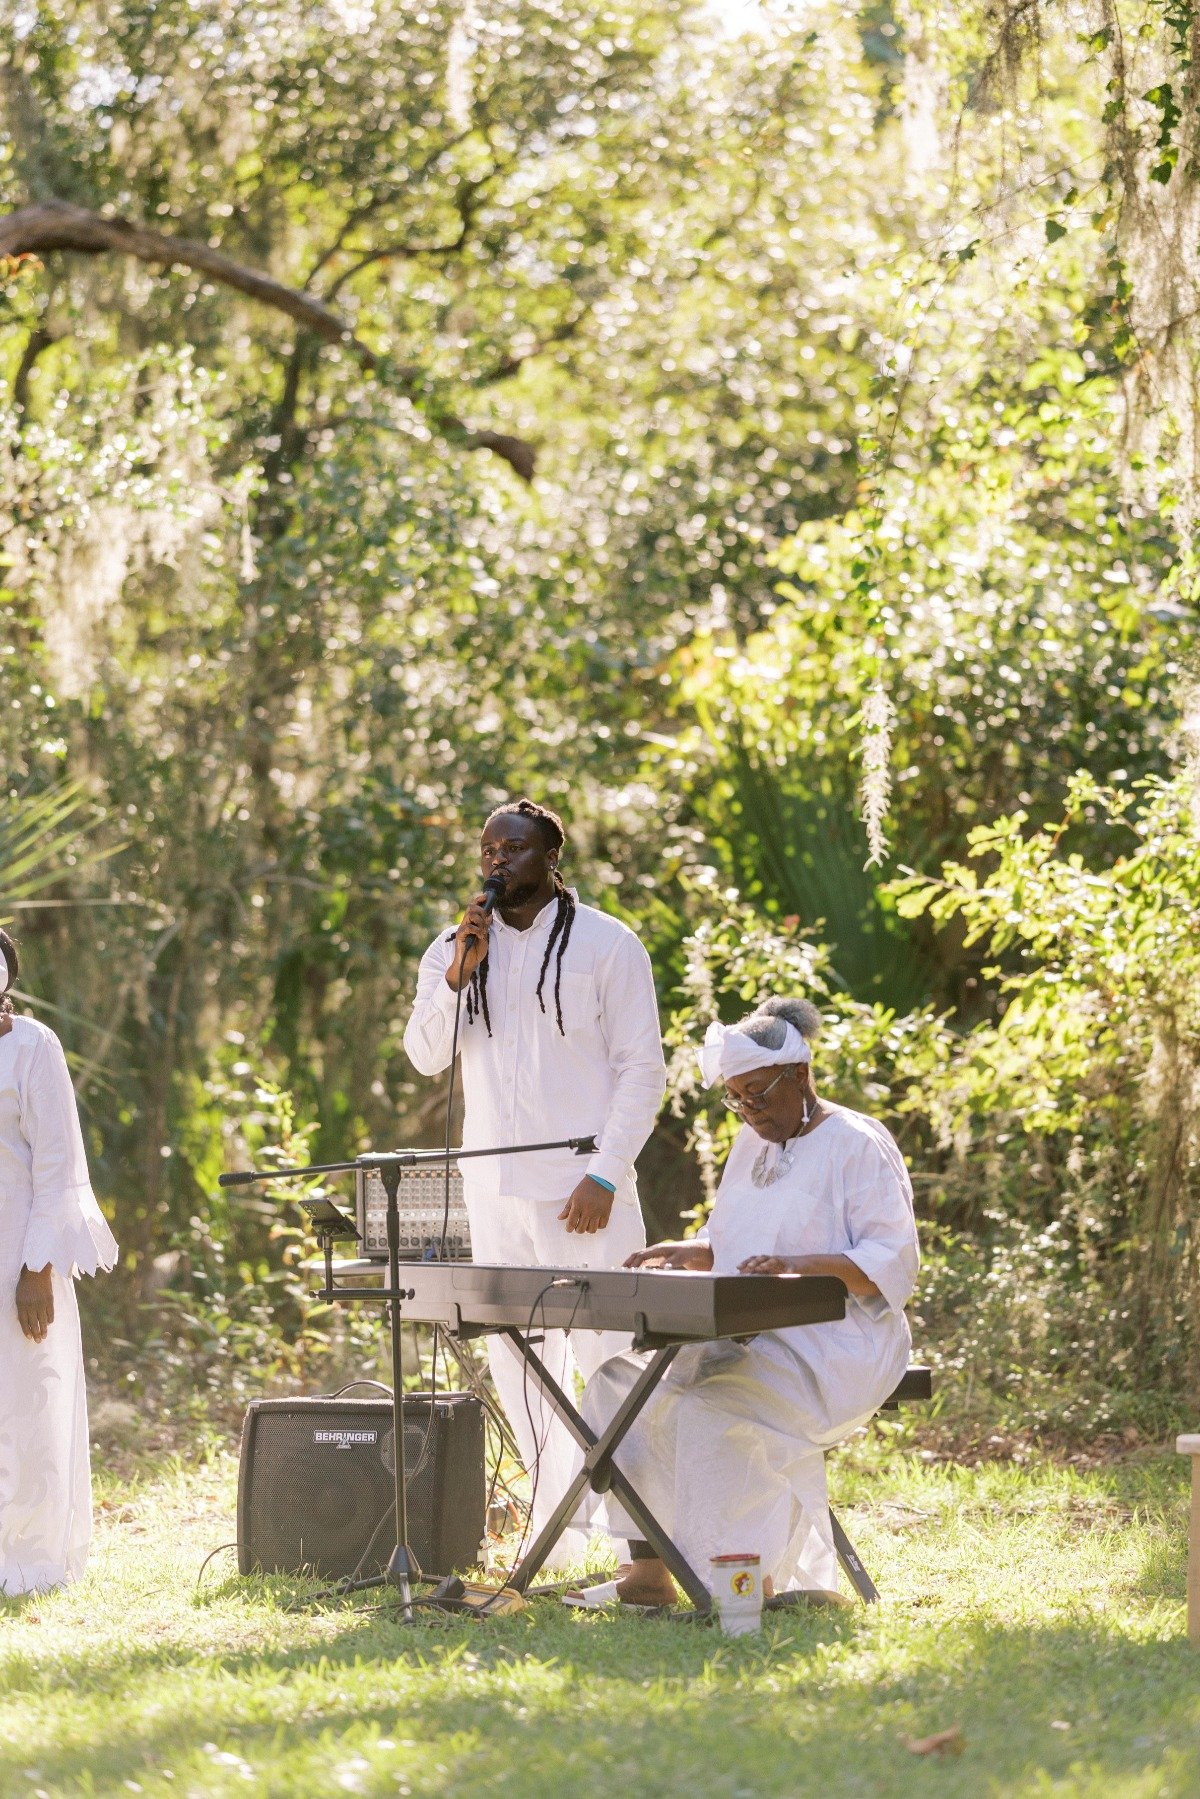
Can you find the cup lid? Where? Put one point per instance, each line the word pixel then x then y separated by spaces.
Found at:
pixel 746 1556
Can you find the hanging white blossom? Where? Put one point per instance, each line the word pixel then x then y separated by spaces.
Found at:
pixel 247 566
pixel 460 86
pixel 698 981
pixel 878 718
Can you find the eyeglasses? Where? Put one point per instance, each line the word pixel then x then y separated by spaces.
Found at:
pixel 752 1101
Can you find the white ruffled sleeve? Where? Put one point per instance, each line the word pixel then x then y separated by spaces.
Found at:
pixel 66 1226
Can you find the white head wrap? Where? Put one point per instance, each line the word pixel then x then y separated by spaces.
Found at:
pixel 5 975
pixel 727 1051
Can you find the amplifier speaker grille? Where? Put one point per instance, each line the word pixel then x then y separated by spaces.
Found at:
pixel 315 1484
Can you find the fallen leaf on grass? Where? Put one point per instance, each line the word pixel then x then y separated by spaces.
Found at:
pixel 942 1742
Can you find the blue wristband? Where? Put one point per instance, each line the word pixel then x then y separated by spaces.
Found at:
pixel 602 1183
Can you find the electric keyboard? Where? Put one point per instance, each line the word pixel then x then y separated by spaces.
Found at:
pixel 657 1306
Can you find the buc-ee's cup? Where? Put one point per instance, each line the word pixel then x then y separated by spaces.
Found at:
pixel 735 1582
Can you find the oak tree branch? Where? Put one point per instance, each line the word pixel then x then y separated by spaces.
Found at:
pixel 56 225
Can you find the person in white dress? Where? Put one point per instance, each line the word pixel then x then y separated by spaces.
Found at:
pixel 558 1038
pixel 729 1453
pixel 51 1230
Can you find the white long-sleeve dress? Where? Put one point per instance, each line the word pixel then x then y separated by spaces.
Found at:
pixel 729 1452
pixel 48 1214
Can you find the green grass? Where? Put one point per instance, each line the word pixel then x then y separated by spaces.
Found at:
pixel 1037 1608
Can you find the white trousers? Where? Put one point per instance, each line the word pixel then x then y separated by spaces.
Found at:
pixel 528 1233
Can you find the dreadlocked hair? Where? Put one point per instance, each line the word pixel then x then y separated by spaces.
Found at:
pixel 560 931
pixel 476 991
pixel 550 825
pixel 477 996
pixel 8 950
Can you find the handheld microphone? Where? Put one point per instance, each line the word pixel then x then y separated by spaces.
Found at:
pixel 493 889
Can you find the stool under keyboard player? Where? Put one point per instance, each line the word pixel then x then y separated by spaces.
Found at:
pixel 662 1309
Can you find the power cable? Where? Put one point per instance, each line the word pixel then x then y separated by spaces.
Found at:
pixel 540 1302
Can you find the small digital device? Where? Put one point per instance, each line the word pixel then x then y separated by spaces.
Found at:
pixel 328 1220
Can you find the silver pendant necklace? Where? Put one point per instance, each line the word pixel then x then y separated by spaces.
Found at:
pixel 761 1175
pixel 764 1176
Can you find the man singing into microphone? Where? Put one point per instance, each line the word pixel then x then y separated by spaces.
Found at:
pixel 558 1037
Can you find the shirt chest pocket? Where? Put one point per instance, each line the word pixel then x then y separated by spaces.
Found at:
pixel 578 999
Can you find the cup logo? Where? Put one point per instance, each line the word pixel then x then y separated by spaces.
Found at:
pixel 742 1584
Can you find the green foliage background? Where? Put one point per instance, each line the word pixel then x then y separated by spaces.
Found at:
pixel 852 352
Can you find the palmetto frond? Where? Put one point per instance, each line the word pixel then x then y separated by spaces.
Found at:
pixel 41 840
pixel 799 851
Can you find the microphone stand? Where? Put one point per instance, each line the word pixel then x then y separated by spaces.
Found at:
pixel 402 1566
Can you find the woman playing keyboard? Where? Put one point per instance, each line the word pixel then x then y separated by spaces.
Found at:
pixel 729 1452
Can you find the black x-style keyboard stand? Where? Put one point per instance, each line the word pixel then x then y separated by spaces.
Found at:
pixel 600 1472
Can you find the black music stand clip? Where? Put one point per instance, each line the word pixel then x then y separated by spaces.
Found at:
pixel 331 1226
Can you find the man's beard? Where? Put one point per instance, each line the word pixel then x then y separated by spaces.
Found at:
pixel 518 895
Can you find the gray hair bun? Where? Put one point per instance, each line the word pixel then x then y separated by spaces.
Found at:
pixel 765 1024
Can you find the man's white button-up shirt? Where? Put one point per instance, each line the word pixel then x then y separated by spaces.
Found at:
pixel 526 1083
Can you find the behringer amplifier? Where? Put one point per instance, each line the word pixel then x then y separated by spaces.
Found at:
pixel 315 1485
